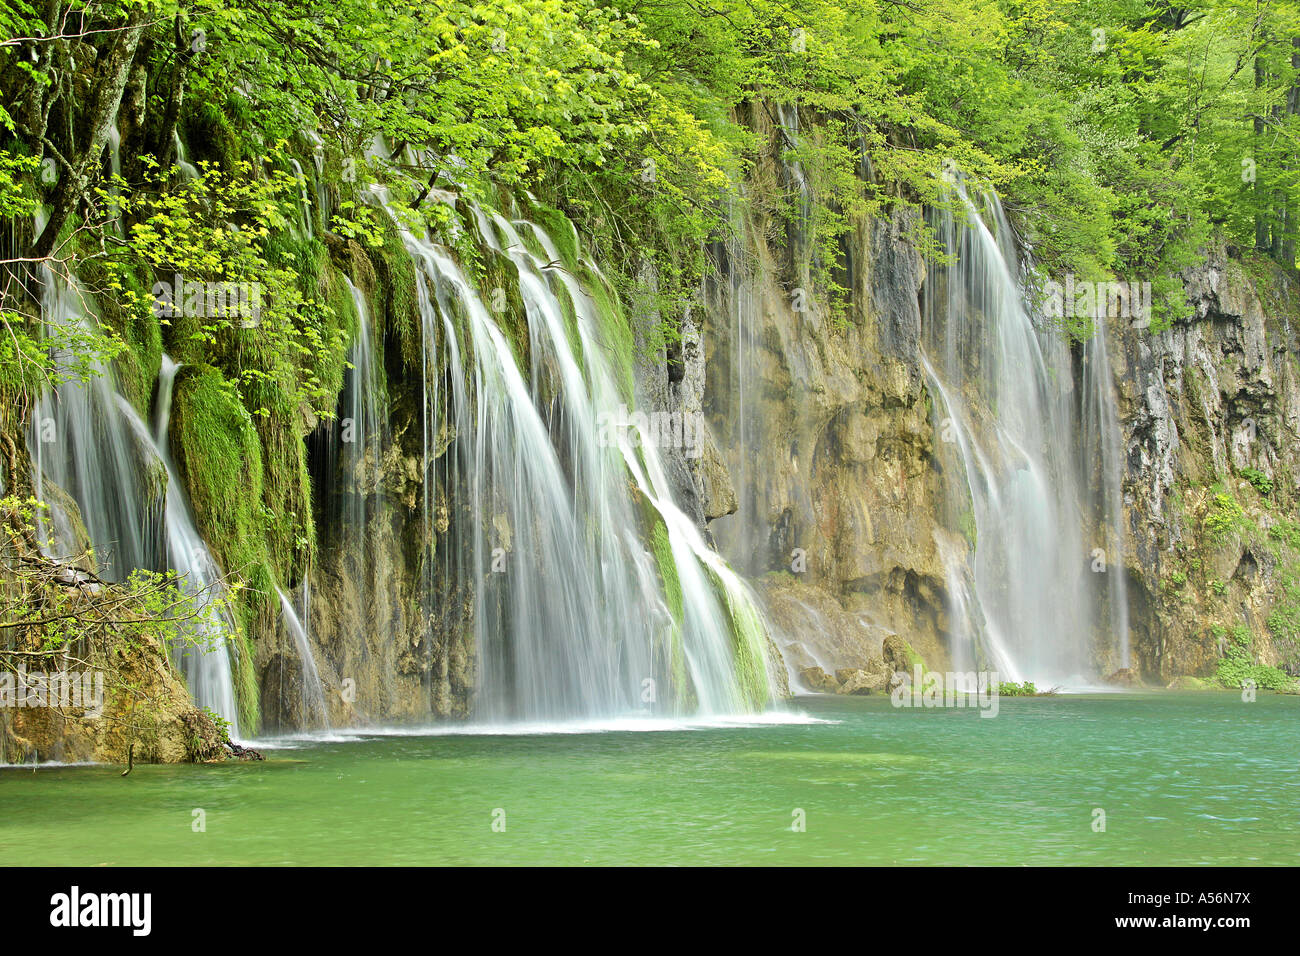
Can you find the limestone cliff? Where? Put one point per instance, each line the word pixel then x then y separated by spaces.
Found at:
pixel 1210 413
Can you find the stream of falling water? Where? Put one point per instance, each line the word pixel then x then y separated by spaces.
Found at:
pixel 570 616
pixel 206 664
pixel 312 712
pixel 89 442
pixel 1036 606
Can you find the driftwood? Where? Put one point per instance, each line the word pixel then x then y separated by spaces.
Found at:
pixel 243 753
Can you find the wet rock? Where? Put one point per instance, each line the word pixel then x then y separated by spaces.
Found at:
pixel 862 682
pixel 817 680
pixel 1124 677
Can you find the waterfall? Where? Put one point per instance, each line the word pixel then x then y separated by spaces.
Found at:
pixel 366 418
pixel 1006 418
pixel 304 203
pixel 318 162
pixel 88 441
pixel 346 455
pixel 736 292
pixel 1103 456
pixel 81 440
pixel 206 663
pixel 114 150
pixel 364 432
pixel 188 171
pixel 795 180
pixel 313 711
pixel 571 614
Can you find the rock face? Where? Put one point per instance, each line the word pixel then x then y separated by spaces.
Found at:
pixel 817 680
pixel 1210 412
pixel 385 647
pixel 826 431
pixel 128 704
pixel 825 428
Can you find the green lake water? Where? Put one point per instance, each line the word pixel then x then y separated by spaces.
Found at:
pixel 1183 778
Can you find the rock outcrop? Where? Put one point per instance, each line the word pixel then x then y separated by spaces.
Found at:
pixel 1210 412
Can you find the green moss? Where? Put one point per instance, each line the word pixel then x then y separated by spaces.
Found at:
pixel 683 692
pixel 1187 682
pixel 748 642
pixel 968 527
pixel 614 329
pixel 498 286
pixel 569 311
pixel 137 366
pixel 218 452
pixel 306 257
pixel 663 552
pixel 561 232
pixel 209 132
pixel 397 293
pixel 219 456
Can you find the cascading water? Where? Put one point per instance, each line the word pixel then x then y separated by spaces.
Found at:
pixel 205 662
pixel 114 150
pixel 1006 414
pixel 187 170
pixel 1102 456
pixel 570 616
pixel 737 294
pixel 87 440
pixel 304 202
pixel 313 712
pixel 81 441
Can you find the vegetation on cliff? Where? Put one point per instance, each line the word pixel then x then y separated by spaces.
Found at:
pixel 1123 133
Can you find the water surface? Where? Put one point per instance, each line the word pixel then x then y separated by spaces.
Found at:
pixel 1184 779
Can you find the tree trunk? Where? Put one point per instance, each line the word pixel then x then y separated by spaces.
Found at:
pixel 105 98
pixel 1261 206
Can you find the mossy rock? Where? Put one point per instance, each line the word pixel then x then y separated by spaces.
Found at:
pixel 136 368
pixel 209 132
pixel 900 657
pixel 560 231
pixel 397 294
pixel 219 456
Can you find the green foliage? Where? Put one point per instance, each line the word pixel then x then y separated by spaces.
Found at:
pixel 1236 665
pixel 1012 689
pixel 1223 516
pixel 222 725
pixel 1260 481
pixel 38 606
pixel 229 231
pixel 1286 533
